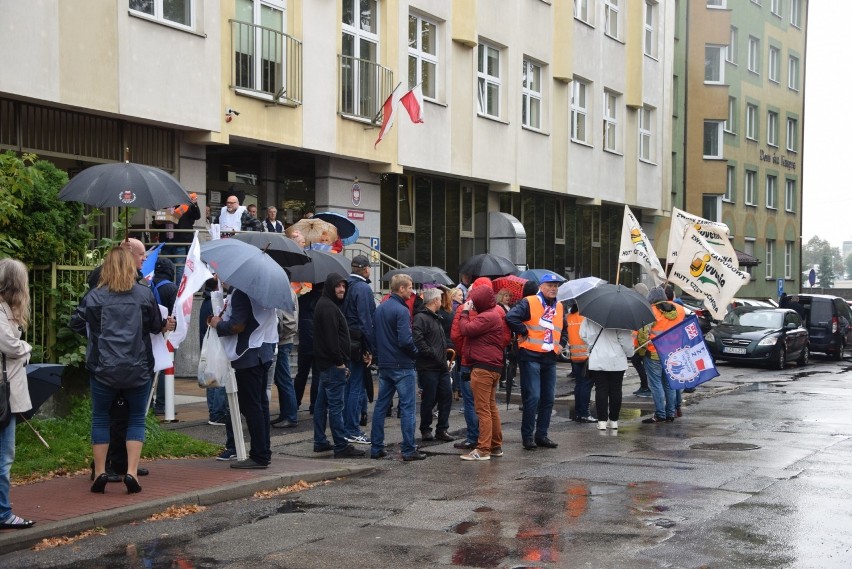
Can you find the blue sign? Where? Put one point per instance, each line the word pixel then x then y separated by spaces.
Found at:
pixel 812 278
pixel 684 355
pixel 374 243
pixel 780 287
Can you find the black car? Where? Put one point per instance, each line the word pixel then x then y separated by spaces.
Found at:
pixel 769 336
pixel 829 323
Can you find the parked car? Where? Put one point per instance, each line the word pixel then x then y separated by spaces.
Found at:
pixel 696 306
pixel 768 336
pixel 829 323
pixel 737 302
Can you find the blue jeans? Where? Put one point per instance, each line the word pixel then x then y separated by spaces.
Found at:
pixel 354 396
pixel 102 398
pixel 392 381
pixel 329 403
pixel 582 390
pixel 538 388
pixel 471 419
pixel 7 457
pixel 287 407
pixel 664 396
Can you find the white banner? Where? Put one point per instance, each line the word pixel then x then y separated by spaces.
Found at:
pixel 702 272
pixel 195 274
pixel 714 232
pixel 635 248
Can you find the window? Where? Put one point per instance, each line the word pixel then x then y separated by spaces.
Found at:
pixel 713 139
pixel 793 73
pixel 715 3
pixel 774 64
pixel 714 65
pixel 729 185
pixel 646 152
pixel 790 195
pixel 796 13
pixel 775 7
pixel 748 249
pixel 579 110
pixel 731 53
pixel 753 54
pixel 360 71
pixel 772 128
pixel 261 49
pixel 423 55
pixel 582 10
pixel 650 38
pixel 788 259
pixel 488 76
pixel 610 121
pixel 750 179
pixel 611 15
pixel 751 122
pixel 176 12
pixel 531 95
pixel 711 207
pixel 731 123
pixel 792 135
pixel 770 255
pixel 771 192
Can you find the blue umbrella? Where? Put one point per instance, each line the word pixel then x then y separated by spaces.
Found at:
pixel 346 229
pixel 536 274
pixel 250 270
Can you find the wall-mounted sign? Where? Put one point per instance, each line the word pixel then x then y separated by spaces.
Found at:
pixel 355 214
pixel 777 160
pixel 356 194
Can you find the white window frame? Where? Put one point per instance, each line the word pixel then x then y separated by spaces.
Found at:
pixel 751 121
pixel 770 253
pixel 714 53
pixel 610 121
pixel 584 11
pixel 749 189
pixel 716 4
pixel 720 142
pixel 754 55
pixel 792 134
pixel 159 17
pixel 580 110
pixel 731 122
pixel 529 96
pixel 775 7
pixel 612 16
pixel 646 139
pixel 649 38
pixel 774 64
pixel 772 128
pixel 790 195
pixel 730 180
pixel 424 57
pixel 731 52
pixel 788 259
pixel 771 191
pixel 793 73
pixel 748 249
pixel 359 35
pixel 796 13
pixel 485 79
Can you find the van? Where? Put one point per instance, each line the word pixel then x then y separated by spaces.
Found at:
pixel 829 323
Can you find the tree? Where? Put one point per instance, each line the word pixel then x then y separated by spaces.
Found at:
pixel 849 266
pixel 815 251
pixel 826 271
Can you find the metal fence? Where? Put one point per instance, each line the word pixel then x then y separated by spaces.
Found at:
pixel 267 61
pixel 364 86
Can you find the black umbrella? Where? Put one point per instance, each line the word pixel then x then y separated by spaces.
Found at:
pixel 615 306
pixel 422 275
pixel 43 381
pixel 321 265
pixel 488 265
pixel 281 248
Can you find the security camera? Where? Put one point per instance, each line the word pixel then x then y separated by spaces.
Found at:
pixel 230 111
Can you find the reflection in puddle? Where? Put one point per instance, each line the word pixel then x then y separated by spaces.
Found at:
pixel 163 552
pixel 465 527
pixel 479 554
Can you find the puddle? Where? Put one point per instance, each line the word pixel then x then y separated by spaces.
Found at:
pixel 480 554
pixel 624 415
pixel 162 552
pixel 465 527
pixel 724 446
pixel 290 507
pixel 483 509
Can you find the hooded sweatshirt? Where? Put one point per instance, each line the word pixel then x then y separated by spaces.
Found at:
pixel 486 333
pixel 456 337
pixel 164 283
pixel 331 333
pixel 667 314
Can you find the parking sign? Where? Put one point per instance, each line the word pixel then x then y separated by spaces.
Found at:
pixel 780 287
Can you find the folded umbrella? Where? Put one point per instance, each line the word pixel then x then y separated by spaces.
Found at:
pixel 43 380
pixel 250 270
pixel 573 289
pixel 346 228
pixel 488 265
pixel 281 248
pixel 421 275
pixel 322 264
pixel 615 306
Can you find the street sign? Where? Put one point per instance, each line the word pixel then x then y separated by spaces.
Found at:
pixel 780 287
pixel 374 243
pixel 812 278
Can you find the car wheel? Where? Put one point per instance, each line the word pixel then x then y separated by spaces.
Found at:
pixel 780 358
pixel 804 357
pixel 838 356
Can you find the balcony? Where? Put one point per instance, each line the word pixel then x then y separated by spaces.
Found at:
pixel 267 63
pixel 364 86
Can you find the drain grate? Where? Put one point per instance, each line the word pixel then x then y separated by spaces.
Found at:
pixel 724 446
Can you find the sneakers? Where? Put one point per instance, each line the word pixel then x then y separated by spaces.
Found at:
pixel 227 454
pixel 464 445
pixel 642 392
pixel 612 425
pixel 653 420
pixel 358 440
pixel 475 455
pixel 497 451
pixel 601 425
pixel 215 423
pixel 588 419
pixel 350 452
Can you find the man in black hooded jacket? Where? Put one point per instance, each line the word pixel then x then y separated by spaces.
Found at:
pixel 331 355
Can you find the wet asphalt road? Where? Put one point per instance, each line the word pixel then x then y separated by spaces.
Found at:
pixel 758 473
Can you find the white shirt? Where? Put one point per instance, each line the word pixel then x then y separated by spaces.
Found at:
pixel 231 221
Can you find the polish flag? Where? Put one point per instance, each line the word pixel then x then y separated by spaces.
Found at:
pixel 413 103
pixel 388 114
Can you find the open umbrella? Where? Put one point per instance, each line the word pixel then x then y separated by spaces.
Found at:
pixel 322 264
pixel 43 380
pixel 573 289
pixel 315 230
pixel 514 284
pixel 421 275
pixel 536 274
pixel 250 270
pixel 488 265
pixel 346 228
pixel 615 306
pixel 282 249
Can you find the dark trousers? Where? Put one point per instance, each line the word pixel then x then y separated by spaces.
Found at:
pixel 607 393
pixel 119 413
pixel 254 406
pixel 437 390
pixel 639 364
pixel 304 366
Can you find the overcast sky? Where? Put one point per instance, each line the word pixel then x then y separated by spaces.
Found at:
pixel 827 207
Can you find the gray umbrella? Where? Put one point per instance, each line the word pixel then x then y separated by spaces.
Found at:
pixel 250 270
pixel 321 265
pixel 281 248
pixel 422 275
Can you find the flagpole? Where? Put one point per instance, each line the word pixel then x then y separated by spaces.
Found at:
pixel 376 118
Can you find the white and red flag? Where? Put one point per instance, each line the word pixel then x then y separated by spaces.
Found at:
pixel 413 103
pixel 388 114
pixel 195 274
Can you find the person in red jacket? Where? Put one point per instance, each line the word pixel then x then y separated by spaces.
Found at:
pixel 485 338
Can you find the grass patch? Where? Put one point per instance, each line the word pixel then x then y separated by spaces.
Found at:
pixel 71 447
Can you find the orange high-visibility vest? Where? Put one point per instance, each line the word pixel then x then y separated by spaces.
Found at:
pixel 579 348
pixel 537 330
pixel 662 324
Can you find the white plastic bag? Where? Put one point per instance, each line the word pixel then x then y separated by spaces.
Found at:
pixel 214 368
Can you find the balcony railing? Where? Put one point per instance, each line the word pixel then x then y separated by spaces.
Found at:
pixel 267 62
pixel 364 86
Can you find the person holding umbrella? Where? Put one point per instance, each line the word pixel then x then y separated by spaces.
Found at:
pixel 14 318
pixel 609 350
pixel 579 350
